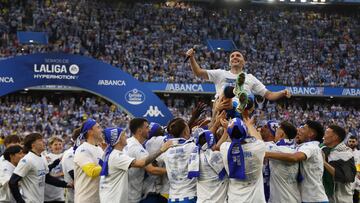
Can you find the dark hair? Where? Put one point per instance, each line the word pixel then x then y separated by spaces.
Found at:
pixel 76 133
pixel 11 139
pixel 236 133
pixel 176 127
pixel 202 139
pixel 339 131
pixel 317 128
pixel 289 129
pixel 353 137
pixel 30 139
pixel 171 122
pixel 136 123
pixel 235 50
pixel 11 151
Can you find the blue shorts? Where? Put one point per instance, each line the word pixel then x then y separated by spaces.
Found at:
pixel 185 200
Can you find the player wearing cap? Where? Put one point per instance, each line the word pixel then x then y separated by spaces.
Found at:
pixel 114 174
pixel 208 166
pixel 87 163
pixel 156 188
pixel 243 159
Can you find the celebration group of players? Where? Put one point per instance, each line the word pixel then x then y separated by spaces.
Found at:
pixel 223 159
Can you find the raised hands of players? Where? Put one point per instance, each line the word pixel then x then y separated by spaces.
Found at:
pixel 190 53
pixel 250 124
pixel 196 113
pixel 200 123
pixel 223 121
pixel 216 120
pixel 249 121
pixel 223 103
pixel 225 136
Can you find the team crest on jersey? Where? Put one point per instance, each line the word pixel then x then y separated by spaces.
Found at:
pixel 23 160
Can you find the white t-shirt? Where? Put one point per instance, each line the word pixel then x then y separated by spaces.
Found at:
pixel 283 176
pixel 136 175
pixel 356 184
pixel 176 160
pixel 86 188
pixel 67 164
pixel 222 78
pixel 6 170
pixel 53 193
pixel 155 183
pixel 33 169
pixel 114 187
pixel 312 189
pixel 210 189
pixel 251 189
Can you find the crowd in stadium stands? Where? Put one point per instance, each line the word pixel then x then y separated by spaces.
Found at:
pixel 289 46
pixel 23 114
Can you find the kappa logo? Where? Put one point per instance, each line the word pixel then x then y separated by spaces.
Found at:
pixel 153 111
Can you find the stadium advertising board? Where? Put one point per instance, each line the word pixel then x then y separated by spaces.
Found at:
pixel 207 88
pixel 59 69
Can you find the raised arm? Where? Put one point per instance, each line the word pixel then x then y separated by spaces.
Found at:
pixel 272 96
pixel 249 122
pixel 149 159
pixel 290 157
pixel 197 70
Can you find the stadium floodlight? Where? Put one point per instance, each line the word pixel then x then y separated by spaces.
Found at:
pixel 271 1
pixel 292 0
pixel 323 1
pixel 282 0
pixel 303 1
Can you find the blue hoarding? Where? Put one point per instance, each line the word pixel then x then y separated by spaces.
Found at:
pixel 207 88
pixel 86 73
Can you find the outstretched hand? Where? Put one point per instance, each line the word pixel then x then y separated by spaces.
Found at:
pixel 287 93
pixel 249 121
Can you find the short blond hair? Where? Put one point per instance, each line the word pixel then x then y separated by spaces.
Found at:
pixel 53 139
